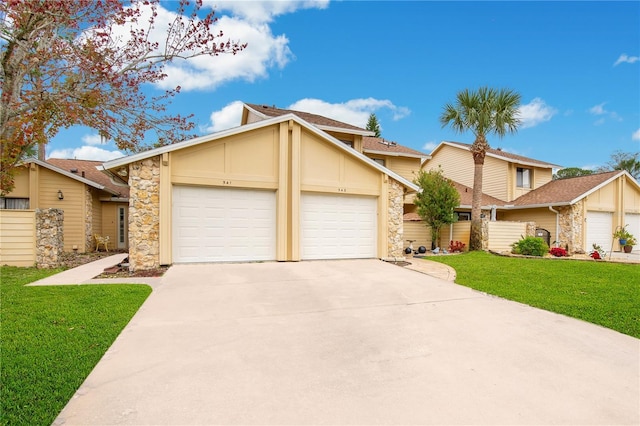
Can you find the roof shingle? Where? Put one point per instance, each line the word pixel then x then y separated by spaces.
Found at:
pixel 88 170
pixel 370 143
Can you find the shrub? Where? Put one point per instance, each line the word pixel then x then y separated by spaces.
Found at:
pixel 530 246
pixel 558 252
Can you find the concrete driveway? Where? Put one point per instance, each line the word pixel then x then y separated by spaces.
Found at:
pixel 352 342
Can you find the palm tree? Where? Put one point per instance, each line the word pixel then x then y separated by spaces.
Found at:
pixel 484 111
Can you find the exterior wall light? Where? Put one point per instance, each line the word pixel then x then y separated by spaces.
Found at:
pixel 60 195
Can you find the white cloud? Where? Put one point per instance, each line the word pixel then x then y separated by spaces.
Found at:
pixel 226 118
pixel 636 135
pixel 430 146
pixel 86 153
pixel 92 139
pixel 249 23
pixel 535 112
pixel 355 112
pixel 598 109
pixel 624 58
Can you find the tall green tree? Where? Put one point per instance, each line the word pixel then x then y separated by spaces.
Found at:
pixel 570 172
pixel 374 125
pixel 620 160
pixel 436 201
pixel 484 111
pixel 85 62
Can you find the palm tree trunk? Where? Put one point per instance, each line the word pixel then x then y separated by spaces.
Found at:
pixel 479 151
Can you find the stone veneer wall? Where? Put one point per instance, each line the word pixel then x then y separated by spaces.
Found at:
pixel 144 214
pixel 49 237
pixel 571 220
pixel 395 218
pixel 88 219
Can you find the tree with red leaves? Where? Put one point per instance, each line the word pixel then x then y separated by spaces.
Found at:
pixel 84 62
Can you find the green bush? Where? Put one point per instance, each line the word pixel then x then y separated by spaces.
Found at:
pixel 530 246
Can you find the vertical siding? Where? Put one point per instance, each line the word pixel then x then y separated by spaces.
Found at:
pixel 17 237
pixel 503 234
pixel 73 205
pixel 418 231
pixel 543 218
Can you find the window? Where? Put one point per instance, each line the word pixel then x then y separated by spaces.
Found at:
pixel 380 161
pixel 523 178
pixel 14 203
pixel 348 143
pixel 464 215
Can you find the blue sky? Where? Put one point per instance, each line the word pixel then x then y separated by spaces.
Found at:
pixel 575 64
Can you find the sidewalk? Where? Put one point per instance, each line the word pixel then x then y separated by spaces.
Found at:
pixel 429 267
pixel 85 274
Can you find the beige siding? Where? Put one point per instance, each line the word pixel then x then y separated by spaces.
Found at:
pixel 456 164
pixel 542 217
pixel 17 237
pixel 503 234
pixel 494 178
pixel 541 177
pixel 459 231
pixel 418 231
pixel 631 198
pixel 408 168
pixel 73 205
pixel 21 184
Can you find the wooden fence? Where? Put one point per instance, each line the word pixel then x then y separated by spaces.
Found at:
pixel 17 237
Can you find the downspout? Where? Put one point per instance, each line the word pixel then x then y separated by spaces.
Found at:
pixel 557 225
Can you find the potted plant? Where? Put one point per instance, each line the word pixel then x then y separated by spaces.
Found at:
pixel 631 241
pixel 622 235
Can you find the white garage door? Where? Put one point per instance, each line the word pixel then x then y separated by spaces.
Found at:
pixel 633 220
pixel 223 224
pixel 338 227
pixel 599 230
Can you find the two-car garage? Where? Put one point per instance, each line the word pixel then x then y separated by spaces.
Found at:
pixel 213 224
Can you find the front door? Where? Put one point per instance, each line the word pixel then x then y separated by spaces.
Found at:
pixel 122 227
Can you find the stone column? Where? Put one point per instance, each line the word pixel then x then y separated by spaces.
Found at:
pixel 144 214
pixel 88 221
pixel 395 218
pixel 49 237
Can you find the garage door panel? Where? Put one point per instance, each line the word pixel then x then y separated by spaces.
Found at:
pixel 223 224
pixel 599 229
pixel 338 226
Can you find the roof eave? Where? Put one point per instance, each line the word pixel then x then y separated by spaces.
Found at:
pixel 344 130
pixel 68 174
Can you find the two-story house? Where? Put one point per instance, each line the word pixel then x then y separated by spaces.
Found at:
pixel 576 212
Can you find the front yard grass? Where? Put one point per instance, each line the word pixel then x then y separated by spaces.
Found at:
pixel 52 337
pixel 602 293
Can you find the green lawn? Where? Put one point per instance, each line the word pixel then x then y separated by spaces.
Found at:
pixel 599 292
pixel 52 337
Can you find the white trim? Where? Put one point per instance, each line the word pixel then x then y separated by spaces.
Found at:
pixel 258 125
pixel 396 154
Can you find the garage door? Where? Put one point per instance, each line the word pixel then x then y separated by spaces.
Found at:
pixel 599 230
pixel 338 227
pixel 633 220
pixel 223 224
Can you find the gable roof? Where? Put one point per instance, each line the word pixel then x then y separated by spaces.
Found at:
pixel 466 197
pixel 88 169
pixel 321 122
pixel 500 154
pixel 109 165
pixel 86 179
pixel 568 191
pixel 375 145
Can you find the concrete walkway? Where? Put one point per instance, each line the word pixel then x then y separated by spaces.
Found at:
pixel 352 342
pixel 84 274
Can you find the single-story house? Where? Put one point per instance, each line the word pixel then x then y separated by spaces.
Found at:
pixel 92 202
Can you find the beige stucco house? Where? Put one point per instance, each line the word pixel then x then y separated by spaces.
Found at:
pixel 576 212
pixel 91 202
pixel 278 187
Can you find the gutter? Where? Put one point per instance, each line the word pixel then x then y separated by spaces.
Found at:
pixel 557 244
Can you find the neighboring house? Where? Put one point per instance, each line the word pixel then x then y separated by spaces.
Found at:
pixel 91 201
pixel 576 212
pixel 276 188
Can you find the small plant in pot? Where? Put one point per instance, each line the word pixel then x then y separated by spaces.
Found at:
pixel 622 235
pixel 631 241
